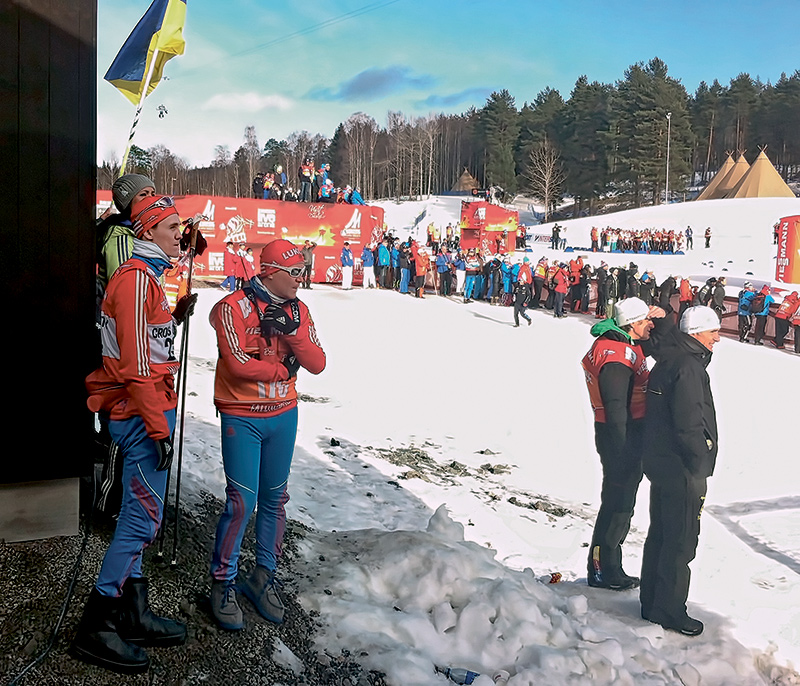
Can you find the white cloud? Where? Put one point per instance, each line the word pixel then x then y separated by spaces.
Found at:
pixel 247 102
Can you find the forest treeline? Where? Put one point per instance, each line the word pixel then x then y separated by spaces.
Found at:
pixel 602 141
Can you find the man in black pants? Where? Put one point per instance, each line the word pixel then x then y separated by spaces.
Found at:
pixel 616 377
pixel 680 450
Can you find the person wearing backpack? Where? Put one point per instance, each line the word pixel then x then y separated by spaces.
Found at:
pixel 787 308
pixel 704 294
pixel 717 300
pixel 746 296
pixel 760 310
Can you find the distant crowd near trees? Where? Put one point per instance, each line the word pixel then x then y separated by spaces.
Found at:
pixel 604 141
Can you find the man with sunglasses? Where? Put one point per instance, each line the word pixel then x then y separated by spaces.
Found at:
pixel 134 393
pixel 264 335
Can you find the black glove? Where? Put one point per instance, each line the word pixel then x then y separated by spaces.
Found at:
pixel 200 243
pixel 275 317
pixel 165 451
pixel 292 365
pixel 184 308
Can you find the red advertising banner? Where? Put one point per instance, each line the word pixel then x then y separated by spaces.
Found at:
pixel 787 267
pixel 489 227
pixel 257 222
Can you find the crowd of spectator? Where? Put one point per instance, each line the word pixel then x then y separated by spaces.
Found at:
pixel 314 184
pixel 557 286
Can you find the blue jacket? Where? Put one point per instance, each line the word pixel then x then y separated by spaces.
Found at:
pixel 395 257
pixel 443 263
pixel 745 297
pixel 383 255
pixel 367 258
pixel 347 257
pixel 460 264
pixel 356 199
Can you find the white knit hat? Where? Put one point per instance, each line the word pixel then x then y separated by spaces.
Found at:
pixel 699 318
pixel 629 311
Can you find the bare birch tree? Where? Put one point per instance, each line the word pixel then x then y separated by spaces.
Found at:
pixel 545 176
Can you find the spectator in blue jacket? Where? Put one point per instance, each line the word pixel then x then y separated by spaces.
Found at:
pixel 404 261
pixel 347 267
pixel 761 313
pixel 368 263
pixel 443 267
pixel 507 272
pixel 746 296
pixel 355 197
pixel 395 264
pixel 461 272
pixel 384 260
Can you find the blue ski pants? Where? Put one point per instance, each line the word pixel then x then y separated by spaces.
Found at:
pixel 142 503
pixel 256 454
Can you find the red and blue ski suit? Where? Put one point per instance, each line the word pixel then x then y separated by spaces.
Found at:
pixel 257 401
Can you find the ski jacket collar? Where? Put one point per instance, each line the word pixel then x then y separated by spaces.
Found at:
pixel 609 328
pixel 680 343
pixel 263 293
pixel 149 252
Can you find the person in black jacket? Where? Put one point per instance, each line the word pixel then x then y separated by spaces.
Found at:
pixel 718 297
pixel 616 377
pixel 666 290
pixel 680 450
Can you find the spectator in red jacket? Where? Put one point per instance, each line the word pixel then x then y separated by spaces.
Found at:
pixel 785 312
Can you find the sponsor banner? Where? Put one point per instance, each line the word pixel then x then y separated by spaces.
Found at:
pixel 489 227
pixel 256 222
pixel 787 266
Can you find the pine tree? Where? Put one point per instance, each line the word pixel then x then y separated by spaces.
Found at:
pixel 500 128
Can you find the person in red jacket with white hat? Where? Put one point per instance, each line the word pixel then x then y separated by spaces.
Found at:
pixel 264 335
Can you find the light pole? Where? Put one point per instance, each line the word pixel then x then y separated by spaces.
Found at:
pixel 666 182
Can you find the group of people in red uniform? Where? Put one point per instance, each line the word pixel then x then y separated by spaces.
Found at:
pixel 265 335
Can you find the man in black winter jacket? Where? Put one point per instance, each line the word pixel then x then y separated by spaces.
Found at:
pixel 680 450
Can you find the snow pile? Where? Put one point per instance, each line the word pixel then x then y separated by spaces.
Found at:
pixel 406 601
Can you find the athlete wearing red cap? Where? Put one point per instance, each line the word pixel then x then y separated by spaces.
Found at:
pixel 264 335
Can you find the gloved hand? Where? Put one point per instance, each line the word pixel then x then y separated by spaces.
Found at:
pixel 165 451
pixel 200 243
pixel 277 318
pixel 184 308
pixel 292 365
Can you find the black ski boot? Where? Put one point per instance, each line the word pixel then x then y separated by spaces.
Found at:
pixel 98 641
pixel 140 626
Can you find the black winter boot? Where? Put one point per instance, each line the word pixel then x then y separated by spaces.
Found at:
pixel 98 641
pixel 138 624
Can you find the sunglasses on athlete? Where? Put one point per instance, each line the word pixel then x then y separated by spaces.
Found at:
pixel 294 272
pixel 163 202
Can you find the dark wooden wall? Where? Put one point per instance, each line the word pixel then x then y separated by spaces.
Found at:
pixel 47 188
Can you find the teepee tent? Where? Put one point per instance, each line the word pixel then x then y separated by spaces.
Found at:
pixel 466 182
pixel 737 171
pixel 762 180
pixel 710 190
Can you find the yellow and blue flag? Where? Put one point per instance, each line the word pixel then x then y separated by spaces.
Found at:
pixel 161 28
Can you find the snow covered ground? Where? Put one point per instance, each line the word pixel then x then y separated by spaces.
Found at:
pixel 445 461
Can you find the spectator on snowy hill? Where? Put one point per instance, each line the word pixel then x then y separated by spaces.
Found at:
pixel 679 454
pixel 560 281
pixel 602 290
pixel 308 261
pixel 760 310
pixel 355 197
pixel 460 266
pixel 718 297
pixel 685 298
pixel 347 267
pixel 784 314
pixel 305 175
pixel 368 265
pixel 689 233
pixel 707 236
pixel 746 296
pixel 616 378
pixel 705 293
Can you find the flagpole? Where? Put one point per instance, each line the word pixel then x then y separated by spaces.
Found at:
pixel 138 111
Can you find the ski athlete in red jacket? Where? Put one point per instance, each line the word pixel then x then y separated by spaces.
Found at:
pixel 616 377
pixel 264 335
pixel 133 392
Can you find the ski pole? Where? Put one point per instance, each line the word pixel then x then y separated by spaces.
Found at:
pixel 182 379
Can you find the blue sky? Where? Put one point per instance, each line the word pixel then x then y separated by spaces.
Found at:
pixel 290 66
